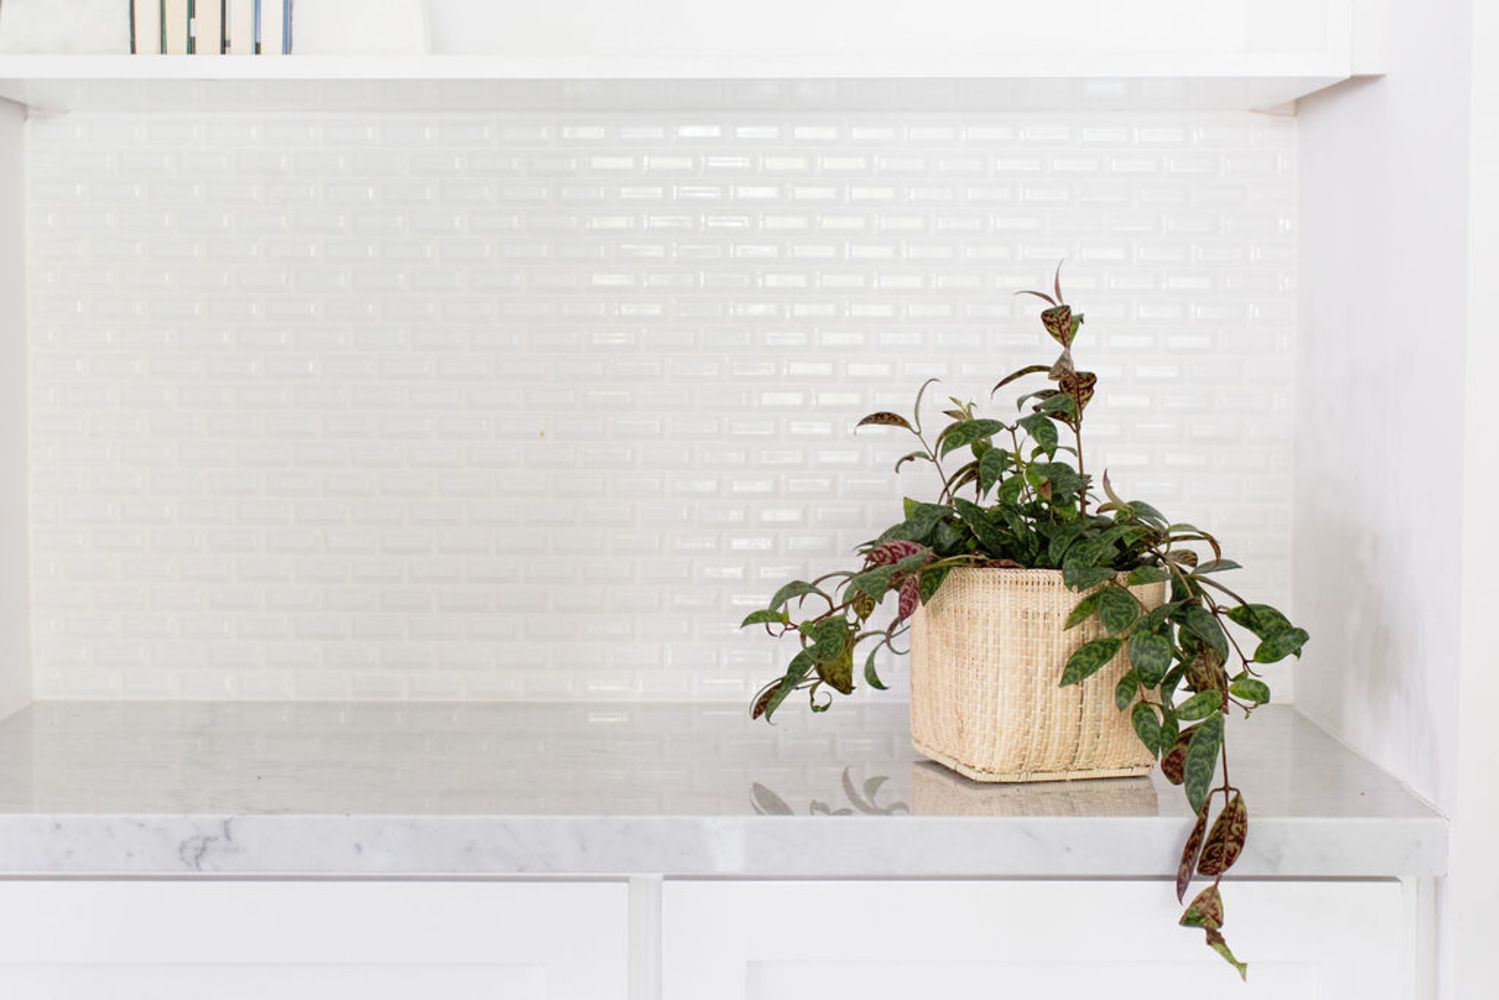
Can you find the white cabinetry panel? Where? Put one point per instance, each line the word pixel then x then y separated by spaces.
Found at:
pixel 1058 940
pixel 313 940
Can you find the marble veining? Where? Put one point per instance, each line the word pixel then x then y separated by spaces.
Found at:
pixel 675 789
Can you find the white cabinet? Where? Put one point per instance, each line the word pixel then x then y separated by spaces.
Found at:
pixel 313 940
pixel 1057 940
pixel 718 940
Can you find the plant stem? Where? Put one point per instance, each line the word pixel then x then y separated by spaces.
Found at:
pixel 1077 437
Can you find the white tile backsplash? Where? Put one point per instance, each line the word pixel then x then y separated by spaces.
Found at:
pixel 538 405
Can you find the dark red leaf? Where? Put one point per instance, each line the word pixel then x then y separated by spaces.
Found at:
pixel 1189 854
pixel 884 419
pixel 1017 373
pixel 1040 295
pixel 1174 764
pixel 1226 842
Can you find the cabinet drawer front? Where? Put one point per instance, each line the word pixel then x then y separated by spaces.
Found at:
pixel 306 940
pixel 1058 940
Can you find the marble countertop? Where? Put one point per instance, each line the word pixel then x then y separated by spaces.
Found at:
pixel 441 789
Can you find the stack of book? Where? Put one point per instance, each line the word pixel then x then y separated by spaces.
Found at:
pixel 211 27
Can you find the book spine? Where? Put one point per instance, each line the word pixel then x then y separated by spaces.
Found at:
pixel 239 22
pixel 208 27
pixel 175 15
pixel 146 27
pixel 272 28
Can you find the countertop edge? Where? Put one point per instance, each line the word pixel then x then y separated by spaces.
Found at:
pixel 699 846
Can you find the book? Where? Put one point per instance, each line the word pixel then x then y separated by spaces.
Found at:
pixel 275 27
pixel 240 24
pixel 208 27
pixel 176 16
pixel 145 22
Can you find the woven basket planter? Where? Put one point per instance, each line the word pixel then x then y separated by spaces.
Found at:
pixel 986 655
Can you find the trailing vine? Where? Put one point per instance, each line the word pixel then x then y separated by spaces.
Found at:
pixel 1018 496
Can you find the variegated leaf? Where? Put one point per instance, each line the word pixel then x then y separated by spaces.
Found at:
pixel 1202 759
pixel 1205 910
pixel 884 418
pixel 1217 943
pixel 1089 659
pixel 1226 841
pixel 1190 849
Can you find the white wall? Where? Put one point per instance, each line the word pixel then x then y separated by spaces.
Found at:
pixel 1379 425
pixel 538 405
pixel 1395 417
pixel 15 654
pixel 1474 923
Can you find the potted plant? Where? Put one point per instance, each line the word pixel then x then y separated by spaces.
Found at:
pixel 1054 634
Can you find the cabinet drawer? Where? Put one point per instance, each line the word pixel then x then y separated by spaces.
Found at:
pixel 1058 940
pixel 313 940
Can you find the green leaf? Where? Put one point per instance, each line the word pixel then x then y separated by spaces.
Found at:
pixel 1199 706
pixel 992 468
pixel 1082 611
pixel 1142 576
pixel 966 433
pixel 921 519
pixel 794 589
pixel 874 582
pixel 1081 578
pixel 1147 727
pixel 1057 545
pixel 764 617
pixel 913 562
pixel 1170 729
pixel 1249 689
pixel 838 673
pixel 1080 570
pixel 1152 620
pixel 1147 512
pixel 1217 566
pixel 1217 943
pixel 1280 645
pixel 1061 404
pixel 983 529
pixel 1117 609
pixel 1042 431
pixel 930 582
pixel 1063 478
pixel 1150 655
pixel 829 637
pixel 1126 690
pixel 948 538
pixel 1200 622
pixel 870 677
pixel 1202 760
pixel 801 665
pixel 1261 619
pixel 1089 659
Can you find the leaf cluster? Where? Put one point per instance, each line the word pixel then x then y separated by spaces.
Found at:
pixel 1013 491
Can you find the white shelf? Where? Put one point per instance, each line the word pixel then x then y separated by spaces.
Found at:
pixel 52 84
pixel 1261 54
